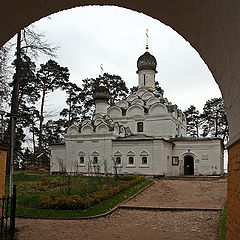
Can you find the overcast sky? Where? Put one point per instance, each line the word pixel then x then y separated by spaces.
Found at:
pixel 115 37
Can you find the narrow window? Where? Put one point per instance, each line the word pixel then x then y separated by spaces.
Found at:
pixel 81 160
pixel 130 160
pixel 95 160
pixel 144 160
pixel 140 126
pixel 118 160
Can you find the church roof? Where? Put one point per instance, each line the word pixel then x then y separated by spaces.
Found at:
pixel 138 138
pixel 146 61
pixel 194 139
pixel 101 93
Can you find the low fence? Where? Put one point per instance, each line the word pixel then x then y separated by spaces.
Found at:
pixel 8 214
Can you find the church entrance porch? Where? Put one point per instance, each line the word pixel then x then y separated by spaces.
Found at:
pixel 188 165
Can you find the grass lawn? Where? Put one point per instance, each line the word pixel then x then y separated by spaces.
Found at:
pixel 222 224
pixel 31 186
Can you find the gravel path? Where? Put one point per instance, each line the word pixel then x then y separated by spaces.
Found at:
pixel 142 225
pixel 180 193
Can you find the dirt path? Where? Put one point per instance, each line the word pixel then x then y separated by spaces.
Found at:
pixel 180 193
pixel 142 225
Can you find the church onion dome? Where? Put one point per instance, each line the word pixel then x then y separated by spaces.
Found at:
pixel 101 93
pixel 146 61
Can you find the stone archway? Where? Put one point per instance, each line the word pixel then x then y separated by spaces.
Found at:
pixel 188 165
pixel 211 27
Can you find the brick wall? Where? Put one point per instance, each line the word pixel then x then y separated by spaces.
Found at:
pixel 233 192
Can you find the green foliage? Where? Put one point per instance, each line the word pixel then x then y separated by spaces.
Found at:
pixel 211 123
pixel 32 185
pixel 194 121
pixel 215 119
pixel 222 224
pixel 49 192
pixel 100 208
pixel 74 102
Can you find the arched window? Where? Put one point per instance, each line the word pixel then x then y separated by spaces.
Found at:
pixel 131 156
pixel 144 157
pixel 95 160
pixel 95 156
pixel 130 160
pixel 81 160
pixel 140 126
pixel 118 160
pixel 144 160
pixel 81 155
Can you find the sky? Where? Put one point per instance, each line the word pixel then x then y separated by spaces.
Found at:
pixel 115 37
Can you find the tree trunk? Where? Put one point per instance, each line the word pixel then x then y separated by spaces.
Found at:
pixel 15 93
pixel 41 118
pixel 216 124
pixel 34 145
pixel 70 110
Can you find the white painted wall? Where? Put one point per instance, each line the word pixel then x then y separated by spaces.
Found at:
pixel 208 156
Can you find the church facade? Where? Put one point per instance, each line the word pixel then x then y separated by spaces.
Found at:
pixel 142 134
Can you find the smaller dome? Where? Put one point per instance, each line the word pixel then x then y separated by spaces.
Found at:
pixel 146 61
pixel 101 93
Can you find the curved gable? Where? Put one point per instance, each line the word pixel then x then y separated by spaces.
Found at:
pixel 135 110
pixel 72 130
pixel 157 109
pixel 87 129
pixel 122 104
pixel 141 91
pixel 98 121
pixel 131 97
pixel 147 95
pixel 114 112
pixel 138 101
pixel 152 101
pixel 86 121
pixel 102 129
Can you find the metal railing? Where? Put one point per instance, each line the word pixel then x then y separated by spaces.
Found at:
pixel 8 214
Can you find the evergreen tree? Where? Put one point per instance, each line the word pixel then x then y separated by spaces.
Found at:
pixel 33 43
pixel 28 94
pixel 194 121
pixel 215 119
pixel 74 110
pixel 51 76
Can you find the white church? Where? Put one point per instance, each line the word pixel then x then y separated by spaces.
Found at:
pixel 142 134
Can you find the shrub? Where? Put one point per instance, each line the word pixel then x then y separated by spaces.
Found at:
pixel 65 202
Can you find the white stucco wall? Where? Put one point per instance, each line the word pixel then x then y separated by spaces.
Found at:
pixel 58 158
pixel 135 149
pixel 207 154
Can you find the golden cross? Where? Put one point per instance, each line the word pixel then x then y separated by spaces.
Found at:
pixel 101 80
pixel 147 40
pixel 101 69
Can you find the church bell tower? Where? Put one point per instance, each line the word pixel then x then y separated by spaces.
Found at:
pixel 146 65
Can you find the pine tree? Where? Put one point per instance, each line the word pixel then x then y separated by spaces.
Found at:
pixel 215 119
pixel 74 111
pixel 51 76
pixel 194 121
